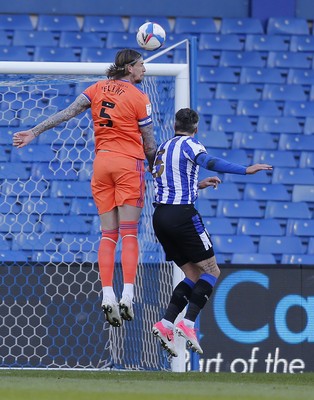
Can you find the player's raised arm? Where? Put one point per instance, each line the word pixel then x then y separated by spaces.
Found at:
pixel 149 144
pixel 22 138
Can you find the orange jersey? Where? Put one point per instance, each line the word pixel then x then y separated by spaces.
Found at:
pixel 119 109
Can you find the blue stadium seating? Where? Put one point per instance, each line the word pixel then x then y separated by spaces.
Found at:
pixel 205 57
pixel 300 227
pixel 231 123
pixel 40 242
pixel 83 206
pixel 23 188
pixel 233 244
pixel 218 74
pixel 16 53
pixel 300 77
pixel 266 43
pixel 281 245
pixel 34 38
pixel 241 25
pixel 279 124
pixel 242 59
pixel 47 206
pixel 262 75
pixel 293 176
pixel 303 192
pixel 253 258
pixel 219 226
pixel 136 21
pixel 53 54
pixel 296 142
pixel 298 108
pixel 259 108
pixel 259 227
pixel 105 23
pixel 306 159
pixel 224 191
pixel 308 126
pixel 304 259
pixel 194 25
pixel 310 249
pixel 214 139
pixel 206 208
pixel 257 191
pixel 276 158
pixel 14 256
pixel 284 92
pixel 80 39
pixel 215 107
pixel 65 224
pixel 287 26
pixel 302 43
pixel 238 91
pixel 254 140
pixel 10 22
pixel 239 208
pixel 12 223
pixel 59 23
pixel 72 242
pixel 238 156
pixel 70 189
pixel 283 209
pixel 92 54
pixel 289 60
pixel 5 38
pixel 220 42
pixel 121 40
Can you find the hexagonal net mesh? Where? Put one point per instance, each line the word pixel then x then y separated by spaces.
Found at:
pixel 50 312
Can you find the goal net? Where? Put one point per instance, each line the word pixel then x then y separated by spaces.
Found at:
pixel 50 313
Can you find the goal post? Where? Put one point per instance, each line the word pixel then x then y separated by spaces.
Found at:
pixel 62 265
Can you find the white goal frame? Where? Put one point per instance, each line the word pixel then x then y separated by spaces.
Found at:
pixel 181 72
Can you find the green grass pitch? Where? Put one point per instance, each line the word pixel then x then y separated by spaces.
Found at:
pixel 135 385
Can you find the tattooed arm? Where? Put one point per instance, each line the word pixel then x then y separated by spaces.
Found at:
pixel 80 104
pixel 149 144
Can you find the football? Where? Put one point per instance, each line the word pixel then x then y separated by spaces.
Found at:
pixel 151 36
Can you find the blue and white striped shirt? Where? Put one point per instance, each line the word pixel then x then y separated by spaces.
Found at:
pixel 175 171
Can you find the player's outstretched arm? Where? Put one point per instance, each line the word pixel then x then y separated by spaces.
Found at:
pixel 22 138
pixel 210 181
pixel 252 169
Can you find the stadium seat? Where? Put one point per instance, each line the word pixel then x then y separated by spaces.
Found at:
pixel 65 224
pixel 104 23
pixel 241 26
pixel 298 108
pixel 34 38
pixel 293 176
pixel 83 207
pixel 238 91
pixel 208 58
pixel 296 142
pixel 24 187
pixel 136 21
pixel 14 170
pixel 52 54
pixel 33 153
pixel 4 244
pixel 121 40
pixel 308 126
pixel 81 39
pixel 281 245
pixel 76 154
pixel 283 209
pixel 257 191
pixel 4 154
pixel 70 189
pixel 15 53
pixel 219 226
pixel 205 90
pixel 242 59
pixel 266 43
pixel 21 223
pixel 302 43
pixel 47 206
pixel 303 192
pixel 254 140
pixel 300 259
pixel 14 256
pixel 220 42
pixel 238 156
pixel 59 23
pixel 35 241
pixel 213 139
pixel 224 191
pixel 239 208
pixel 52 171
pixel 300 227
pixel 259 108
pixel 306 159
pixel 289 60
pixel 231 123
pixel 233 244
pixel 56 258
pixel 91 54
pixel 9 205
pixel 253 258
pixel 215 107
pixel 10 22
pixel 310 249
pixel 300 77
pixel 194 25
pixel 276 158
pixel 262 75
pixel 261 177
pixel 287 26
pixel 259 227
pixel 218 74
pixel 72 242
pixel 279 124
pixel 5 38
pixel 284 92
pixel 206 208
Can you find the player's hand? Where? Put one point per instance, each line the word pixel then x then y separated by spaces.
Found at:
pixel 21 139
pixel 210 181
pixel 252 169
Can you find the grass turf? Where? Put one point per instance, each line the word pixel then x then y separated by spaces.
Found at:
pixel 135 385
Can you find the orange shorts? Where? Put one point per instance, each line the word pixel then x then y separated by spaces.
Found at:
pixel 117 179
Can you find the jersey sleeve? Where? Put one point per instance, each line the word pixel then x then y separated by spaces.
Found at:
pixel 144 110
pixel 193 148
pixel 219 164
pixel 89 92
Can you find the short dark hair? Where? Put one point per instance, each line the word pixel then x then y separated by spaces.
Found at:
pixel 186 120
pixel 123 58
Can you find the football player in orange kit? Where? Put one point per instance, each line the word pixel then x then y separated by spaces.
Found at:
pixel 124 136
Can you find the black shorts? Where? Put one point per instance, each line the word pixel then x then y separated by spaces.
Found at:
pixel 182 234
